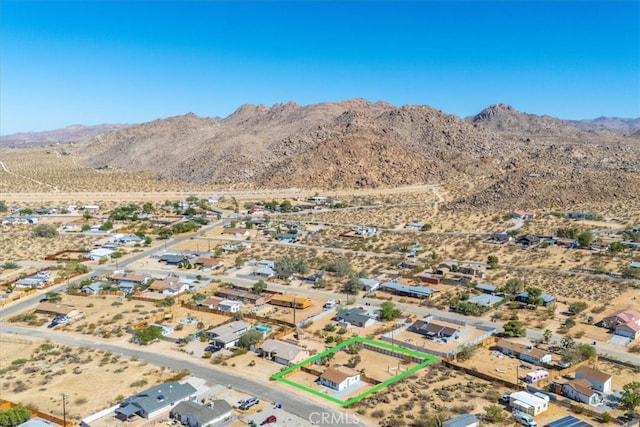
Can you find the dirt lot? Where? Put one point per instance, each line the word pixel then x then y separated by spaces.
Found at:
pixel 36 372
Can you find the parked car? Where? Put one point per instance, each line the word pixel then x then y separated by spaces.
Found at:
pixel 269 420
pixel 524 419
pixel 249 403
pixel 505 398
pixel 239 403
pixel 212 348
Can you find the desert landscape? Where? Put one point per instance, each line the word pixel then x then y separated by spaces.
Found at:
pixel 343 241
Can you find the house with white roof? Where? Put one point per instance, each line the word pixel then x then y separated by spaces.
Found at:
pixel 532 404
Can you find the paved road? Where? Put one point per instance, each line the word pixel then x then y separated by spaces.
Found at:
pixel 295 403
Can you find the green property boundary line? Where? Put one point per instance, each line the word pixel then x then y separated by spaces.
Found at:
pixel 428 359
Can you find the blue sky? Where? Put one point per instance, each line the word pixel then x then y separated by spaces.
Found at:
pixel 91 62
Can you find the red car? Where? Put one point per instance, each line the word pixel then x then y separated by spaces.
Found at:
pixel 270 420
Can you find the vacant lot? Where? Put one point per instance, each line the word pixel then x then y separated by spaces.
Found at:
pixel 35 373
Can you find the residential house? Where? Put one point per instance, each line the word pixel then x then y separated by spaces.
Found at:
pixel 227 336
pixel 532 404
pixel 57 309
pixel 485 300
pixel 474 269
pixel 580 215
pixel 128 238
pixel 524 352
pixel 525 216
pixel 155 400
pixel 356 316
pixel 420 292
pixel 39 422
pixel 210 302
pixel 287 237
pixel 527 241
pixel 369 285
pixel 236 232
pixel 132 279
pixel 31 282
pixel 338 378
pixel 433 329
pixel 564 243
pixel 264 272
pixel 291 300
pixel 625 323
pixel 464 420
pixel 499 238
pixel 546 299
pixel 537 375
pixel 229 306
pixel 242 295
pixel 98 253
pixel 173 259
pixel 365 231
pixel 92 289
pixel 428 277
pixel 169 287
pixel 486 288
pixel 282 352
pixel 414 226
pixel 192 414
pixel 580 390
pixel 207 264
pixel 313 279
pixel 600 381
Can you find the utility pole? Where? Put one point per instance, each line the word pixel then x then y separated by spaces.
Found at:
pixel 64 409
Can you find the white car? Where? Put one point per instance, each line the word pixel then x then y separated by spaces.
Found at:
pixel 525 419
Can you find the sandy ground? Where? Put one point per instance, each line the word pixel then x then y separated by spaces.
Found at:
pixel 35 373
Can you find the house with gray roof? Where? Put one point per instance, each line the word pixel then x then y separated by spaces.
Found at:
pixel 356 316
pixel 433 329
pixel 227 336
pixel 464 420
pixel 155 400
pixel 485 300
pixel 193 414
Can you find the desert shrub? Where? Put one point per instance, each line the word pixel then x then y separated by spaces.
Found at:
pixel 48 231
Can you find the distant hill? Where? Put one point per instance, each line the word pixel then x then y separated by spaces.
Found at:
pixel 521 159
pixel 614 124
pixel 506 119
pixel 500 157
pixel 72 133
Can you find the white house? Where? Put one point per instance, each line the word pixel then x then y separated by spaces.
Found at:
pixel 599 380
pixel 229 306
pixel 98 253
pixel 169 287
pixel 192 414
pixel 464 420
pixel 338 379
pixel 532 404
pixel 282 352
pixel 537 375
pixel 580 390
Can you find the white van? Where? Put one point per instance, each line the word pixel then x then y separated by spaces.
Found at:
pixel 330 303
pixel 525 419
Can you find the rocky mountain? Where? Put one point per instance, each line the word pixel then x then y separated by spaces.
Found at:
pixel 72 133
pixel 614 124
pixel 519 159
pixel 506 119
